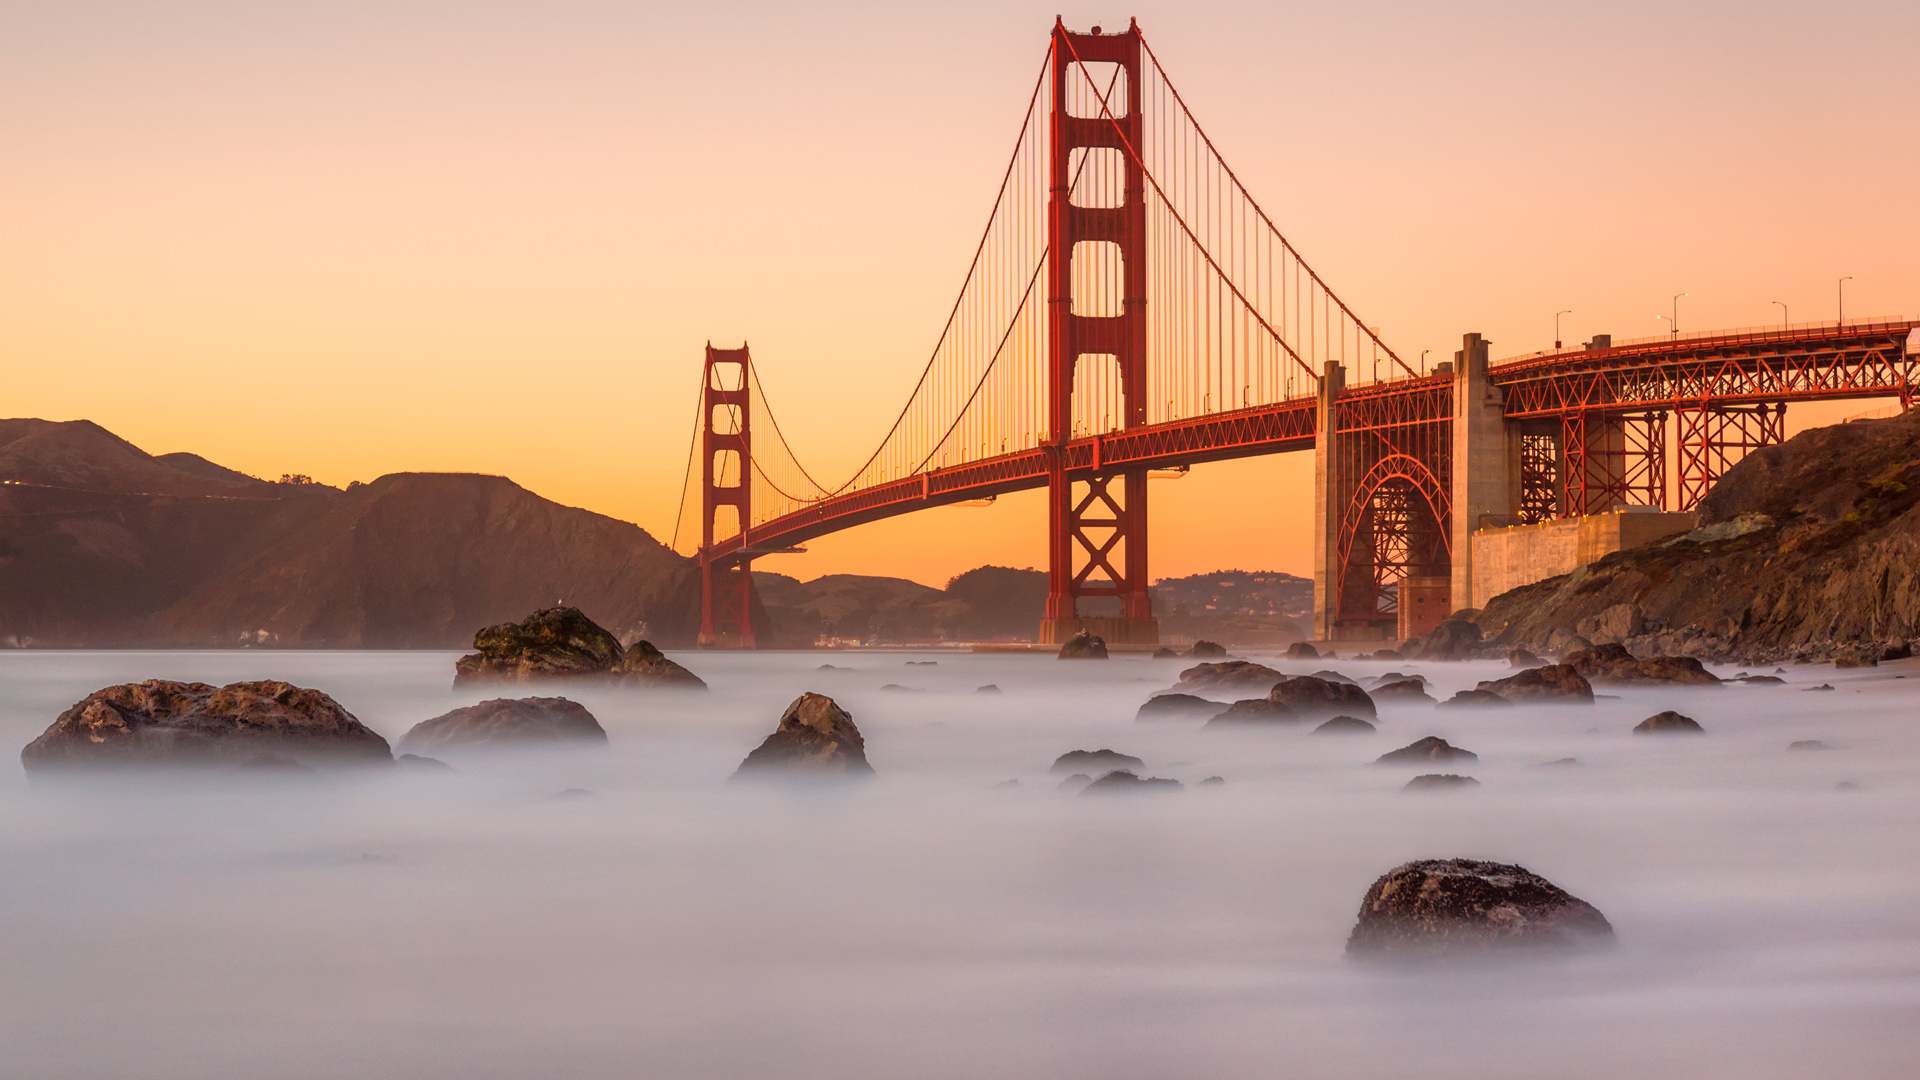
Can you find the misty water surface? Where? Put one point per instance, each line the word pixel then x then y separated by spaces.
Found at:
pixel 932 923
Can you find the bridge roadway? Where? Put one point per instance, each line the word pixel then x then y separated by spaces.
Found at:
pixel 1737 368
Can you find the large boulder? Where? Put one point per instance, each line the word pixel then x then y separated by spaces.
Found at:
pixel 1669 723
pixel 1448 907
pixel 1208 650
pixel 1178 707
pixel 504 722
pixel 1553 683
pixel 1254 711
pixel 1302 650
pixel 1345 725
pixel 1228 677
pixel 1315 699
pixel 1613 664
pixel 1408 691
pixel 165 723
pixel 1475 699
pixel 816 736
pixel 1432 748
pixel 1454 639
pixel 562 643
pixel 1084 645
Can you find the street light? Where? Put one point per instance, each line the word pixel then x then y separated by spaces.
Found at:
pixel 1556 327
pixel 1423 360
pixel 1841 287
pixel 1675 321
pixel 1784 324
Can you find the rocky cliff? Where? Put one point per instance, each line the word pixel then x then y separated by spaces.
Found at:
pixel 1805 549
pixel 102 544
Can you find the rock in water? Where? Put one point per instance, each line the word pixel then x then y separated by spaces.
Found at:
pixel 1614 664
pixel 1434 781
pixel 1254 711
pixel 1302 650
pixel 1121 781
pixel 1669 723
pixel 1406 690
pixel 507 721
pixel 562 643
pixel 1178 707
pixel 1449 907
pixel 1314 698
pixel 1094 761
pixel 1229 677
pixel 1455 639
pixel 1553 683
pixel 815 736
pixel 1474 699
pixel 1208 650
pixel 644 665
pixel 1431 748
pixel 1808 744
pixel 1164 653
pixel 161 722
pixel 1084 645
pixel 1521 658
pixel 1345 725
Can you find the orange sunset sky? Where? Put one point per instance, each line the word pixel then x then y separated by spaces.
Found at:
pixel 347 239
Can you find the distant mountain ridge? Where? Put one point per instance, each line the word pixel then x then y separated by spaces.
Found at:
pixel 103 544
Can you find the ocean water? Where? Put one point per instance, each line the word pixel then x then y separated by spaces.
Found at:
pixel 934 923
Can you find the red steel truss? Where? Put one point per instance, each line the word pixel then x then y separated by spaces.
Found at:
pixel 1540 477
pixel 1613 460
pixel 726 580
pixel 1713 439
pixel 1391 468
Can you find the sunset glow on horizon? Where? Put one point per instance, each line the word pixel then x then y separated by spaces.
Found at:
pixel 353 241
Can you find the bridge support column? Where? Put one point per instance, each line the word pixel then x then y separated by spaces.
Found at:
pixel 726 445
pixel 1486 462
pixel 1327 505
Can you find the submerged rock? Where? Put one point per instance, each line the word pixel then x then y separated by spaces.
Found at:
pixel 1668 723
pixel 1330 675
pixel 422 764
pixel 507 721
pixel 1419 752
pixel 1314 698
pixel 1406 690
pixel 1094 761
pixel 815 736
pixel 1448 907
pixel 1178 707
pixel 1253 711
pixel 1164 653
pixel 1613 664
pixel 1302 650
pixel 990 688
pixel 1228 677
pixel 1213 781
pixel 1345 725
pixel 1552 683
pixel 1808 744
pixel 1122 781
pixel 562 643
pixel 1521 658
pixel 1439 782
pixel 165 723
pixel 1075 782
pixel 1084 645
pixel 1475 699
pixel 1455 639
pixel 1208 650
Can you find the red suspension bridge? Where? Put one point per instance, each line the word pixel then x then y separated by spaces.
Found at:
pixel 1130 307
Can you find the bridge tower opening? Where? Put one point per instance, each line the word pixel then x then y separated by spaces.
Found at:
pixel 726 459
pixel 1096 523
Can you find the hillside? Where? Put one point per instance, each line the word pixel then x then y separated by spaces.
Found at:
pixel 102 544
pixel 1806 549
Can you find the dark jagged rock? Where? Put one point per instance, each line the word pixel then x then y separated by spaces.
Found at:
pixel 643 665
pixel 1331 675
pixel 1437 908
pixel 1554 683
pixel 1404 691
pixel 1094 760
pixel 1208 650
pixel 1121 781
pixel 1387 654
pixel 1808 744
pixel 1227 677
pixel 507 721
pixel 1422 751
pixel 1302 650
pixel 164 723
pixel 815 736
pixel 1454 639
pixel 1475 699
pixel 1345 725
pixel 1668 723
pixel 1084 645
pixel 1614 665
pixel 1399 676
pixel 1254 711
pixel 1434 781
pixel 1178 707
pixel 562 643
pixel 1822 686
pixel 1313 698
pixel 1521 658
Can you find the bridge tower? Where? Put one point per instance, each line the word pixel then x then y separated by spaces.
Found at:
pixel 726 455
pixel 1096 526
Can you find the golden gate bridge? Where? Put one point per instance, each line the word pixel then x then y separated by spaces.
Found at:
pixel 1130 307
